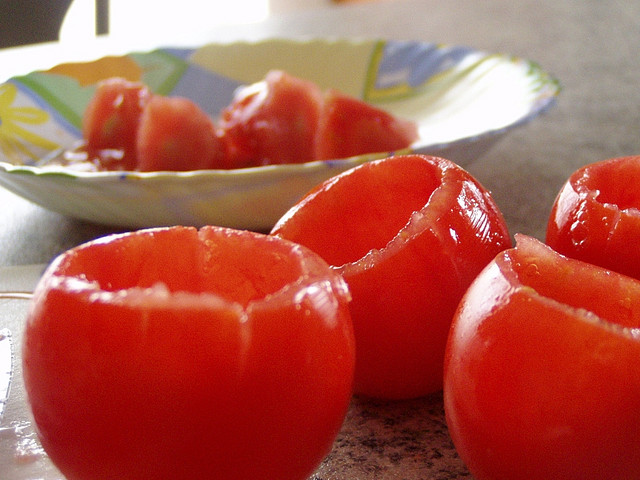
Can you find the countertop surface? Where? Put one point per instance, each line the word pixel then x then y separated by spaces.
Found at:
pixel 591 47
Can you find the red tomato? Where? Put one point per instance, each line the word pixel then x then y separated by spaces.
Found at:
pixel 273 121
pixel 408 234
pixel 175 134
pixel 111 118
pixel 183 354
pixel 541 373
pixel 349 127
pixel 596 216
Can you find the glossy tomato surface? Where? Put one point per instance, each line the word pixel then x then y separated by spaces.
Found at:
pixel 596 216
pixel 541 374
pixel 272 121
pixel 408 234
pixel 183 354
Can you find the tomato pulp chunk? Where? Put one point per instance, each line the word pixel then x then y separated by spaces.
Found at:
pixel 280 119
pixel 596 216
pixel 541 367
pixel 349 126
pixel 285 119
pixel 175 134
pixel 408 234
pixel 273 121
pixel 111 118
pixel 178 354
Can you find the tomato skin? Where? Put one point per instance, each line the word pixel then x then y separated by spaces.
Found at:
pixel 596 215
pixel 408 234
pixel 240 366
pixel 111 118
pixel 272 122
pixel 541 378
pixel 175 134
pixel 348 126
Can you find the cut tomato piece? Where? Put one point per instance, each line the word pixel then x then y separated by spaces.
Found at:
pixel 349 126
pixel 180 354
pixel 175 134
pixel 408 234
pixel 541 377
pixel 273 121
pixel 281 119
pixel 596 216
pixel 111 118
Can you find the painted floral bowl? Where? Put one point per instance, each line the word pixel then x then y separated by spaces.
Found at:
pixel 462 99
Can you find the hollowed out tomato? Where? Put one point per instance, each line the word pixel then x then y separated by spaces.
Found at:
pixel 541 374
pixel 408 234
pixel 181 354
pixel 596 216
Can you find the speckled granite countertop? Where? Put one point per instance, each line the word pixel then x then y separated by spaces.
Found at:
pixel 405 440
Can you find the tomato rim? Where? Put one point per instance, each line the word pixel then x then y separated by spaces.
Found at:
pixel 311 269
pixel 522 279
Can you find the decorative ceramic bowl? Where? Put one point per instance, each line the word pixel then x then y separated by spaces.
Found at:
pixel 463 100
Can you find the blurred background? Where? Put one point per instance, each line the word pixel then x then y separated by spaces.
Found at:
pixel 91 28
pixel 35 21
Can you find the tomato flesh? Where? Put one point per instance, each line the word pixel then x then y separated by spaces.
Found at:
pixel 280 119
pixel 110 120
pixel 541 377
pixel 176 135
pixel 408 234
pixel 179 354
pixel 596 216
pixel 273 121
pixel 349 126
